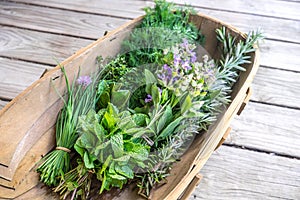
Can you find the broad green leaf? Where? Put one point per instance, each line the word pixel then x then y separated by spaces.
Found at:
pixel 117 145
pixel 101 146
pixel 113 110
pixel 155 94
pixel 88 161
pixel 140 119
pixel 169 129
pixel 214 94
pixel 104 99
pixel 120 98
pixel 99 131
pixel 122 159
pixel 134 130
pixel 165 119
pixel 124 170
pixel 186 105
pixel 78 148
pixel 150 78
pixel 103 86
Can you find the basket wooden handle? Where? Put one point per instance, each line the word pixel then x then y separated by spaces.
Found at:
pixel 246 100
pixel 191 187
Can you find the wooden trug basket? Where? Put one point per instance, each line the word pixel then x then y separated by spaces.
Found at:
pixel 27 122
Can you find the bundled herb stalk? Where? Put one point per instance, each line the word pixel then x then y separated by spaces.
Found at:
pixel 81 97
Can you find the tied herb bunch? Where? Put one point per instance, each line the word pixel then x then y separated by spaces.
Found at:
pixel 134 121
pixel 81 97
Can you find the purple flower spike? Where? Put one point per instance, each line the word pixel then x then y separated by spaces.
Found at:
pixel 177 60
pixel 84 81
pixel 186 66
pixel 148 98
pixel 194 57
pixel 176 78
pixel 166 67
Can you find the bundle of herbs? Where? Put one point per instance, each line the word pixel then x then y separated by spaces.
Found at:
pixel 144 110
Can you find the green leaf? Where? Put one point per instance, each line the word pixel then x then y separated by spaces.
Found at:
pixel 78 148
pixel 142 132
pixel 88 161
pixel 123 159
pixel 120 98
pixel 118 177
pixel 150 78
pixel 165 119
pixel 169 129
pixel 155 94
pixel 106 164
pixel 214 94
pixel 186 105
pixel 102 87
pixel 113 110
pixel 100 147
pixel 108 121
pixel 124 170
pixel 164 96
pixel 139 119
pixel 117 145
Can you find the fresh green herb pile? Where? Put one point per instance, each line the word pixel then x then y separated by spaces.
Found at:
pixel 141 114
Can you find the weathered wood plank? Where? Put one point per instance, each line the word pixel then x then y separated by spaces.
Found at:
pixel 82 24
pixel 273 28
pixel 16 75
pixel 277 87
pixel 280 55
pixel 124 8
pixel 2 104
pixel 38 47
pixel 271 8
pixel 47 48
pixel 269 128
pixel 241 174
pixel 280 9
pixel 50 20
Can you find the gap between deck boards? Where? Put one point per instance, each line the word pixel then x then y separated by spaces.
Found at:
pixel 245 147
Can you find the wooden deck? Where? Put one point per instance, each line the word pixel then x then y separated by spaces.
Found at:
pixel 260 159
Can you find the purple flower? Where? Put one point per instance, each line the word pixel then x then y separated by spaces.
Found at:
pixel 193 57
pixel 185 43
pixel 176 78
pixel 177 60
pixel 166 74
pixel 84 81
pixel 186 65
pixel 148 98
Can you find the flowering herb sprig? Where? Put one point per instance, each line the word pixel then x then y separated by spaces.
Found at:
pixel 184 73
